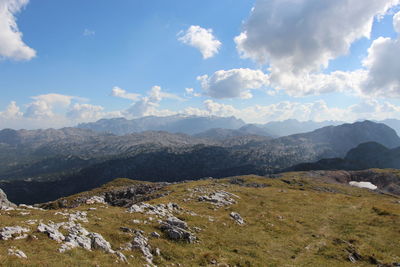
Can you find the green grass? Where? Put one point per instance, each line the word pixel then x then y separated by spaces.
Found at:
pixel 286 225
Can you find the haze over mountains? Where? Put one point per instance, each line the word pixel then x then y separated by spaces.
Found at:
pixel 71 160
pixel 195 125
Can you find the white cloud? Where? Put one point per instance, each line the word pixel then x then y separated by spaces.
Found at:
pixel 148 105
pixel 202 39
pixel 319 83
pixel 298 39
pixel 119 92
pixel 11 43
pixel 233 83
pixel 316 111
pixel 42 106
pixel 12 111
pixel 383 64
pixel 304 35
pixel 191 92
pixel 396 22
pixel 85 112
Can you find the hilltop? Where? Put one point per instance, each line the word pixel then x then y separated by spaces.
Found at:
pixel 294 219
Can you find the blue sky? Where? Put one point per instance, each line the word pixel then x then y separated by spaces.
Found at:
pixel 84 49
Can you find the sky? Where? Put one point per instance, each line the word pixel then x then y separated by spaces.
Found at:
pixel 64 62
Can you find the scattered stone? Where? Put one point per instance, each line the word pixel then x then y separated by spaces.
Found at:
pixel 141 242
pixel 137 221
pixel 197 229
pixel 157 252
pixel 176 230
pixel 121 256
pixel 98 242
pixel 219 198
pixel 31 222
pixel 29 207
pixel 95 200
pixel 155 235
pixel 177 222
pixel 242 182
pixel 52 231
pixel 160 210
pixel 13 232
pixel 17 253
pixel 236 216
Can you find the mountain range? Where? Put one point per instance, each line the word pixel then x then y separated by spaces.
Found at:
pixel 71 160
pixel 225 126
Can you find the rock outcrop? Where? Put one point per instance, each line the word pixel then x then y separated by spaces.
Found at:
pixel 4 202
pixel 13 232
pixel 176 229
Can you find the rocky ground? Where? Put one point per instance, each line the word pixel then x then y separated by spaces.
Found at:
pixel 290 220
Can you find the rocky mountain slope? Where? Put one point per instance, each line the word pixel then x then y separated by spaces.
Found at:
pixel 173 124
pixel 296 219
pixel 70 165
pixel 365 156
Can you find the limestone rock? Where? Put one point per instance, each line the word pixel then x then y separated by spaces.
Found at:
pixel 17 253
pixel 95 200
pixel 236 216
pixel 219 198
pixel 13 232
pixel 4 202
pixel 177 222
pixel 177 230
pixel 141 242
pixel 98 242
pixel 52 231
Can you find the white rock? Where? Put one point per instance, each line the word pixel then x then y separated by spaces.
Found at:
pixel 98 242
pixel 140 242
pixel 52 231
pixel 16 252
pixel 96 200
pixel 236 216
pixel 13 232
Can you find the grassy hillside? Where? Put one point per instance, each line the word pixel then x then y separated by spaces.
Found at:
pixel 289 221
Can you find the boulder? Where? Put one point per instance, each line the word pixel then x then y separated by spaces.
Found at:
pixel 236 216
pixel 219 198
pixel 98 242
pixel 52 231
pixel 4 202
pixel 13 232
pixel 17 253
pixel 176 229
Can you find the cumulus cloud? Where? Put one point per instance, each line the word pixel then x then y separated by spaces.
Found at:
pixel 12 111
pixel 202 39
pixel 396 22
pixel 304 35
pixel 42 106
pixel 148 105
pixel 235 83
pixel 11 43
pixel 383 64
pixel 316 111
pixel 298 39
pixel 85 112
pixel 191 92
pixel 119 92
